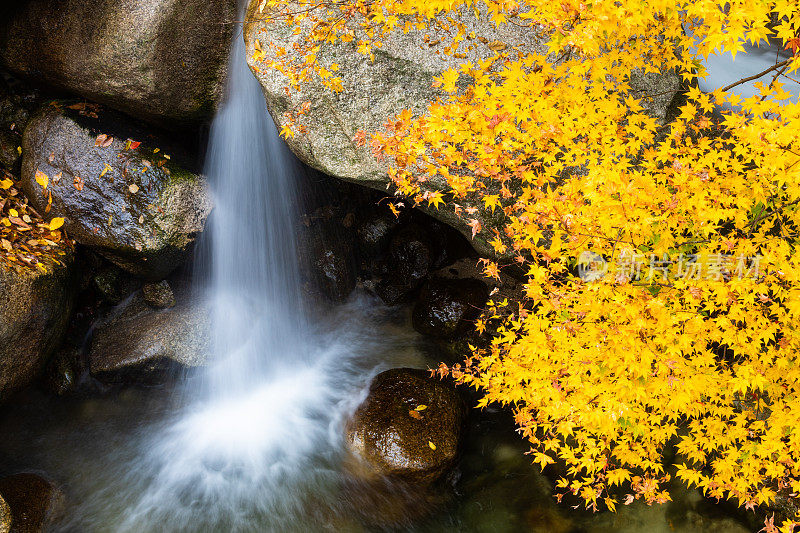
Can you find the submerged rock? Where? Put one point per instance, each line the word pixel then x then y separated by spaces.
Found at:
pixel 408 427
pixel 446 307
pixel 35 308
pixel 159 60
pixel 34 502
pixel 145 345
pixel 132 203
pixel 158 295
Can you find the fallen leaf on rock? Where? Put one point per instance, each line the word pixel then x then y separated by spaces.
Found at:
pixel 42 179
pixel 56 223
pixel 133 188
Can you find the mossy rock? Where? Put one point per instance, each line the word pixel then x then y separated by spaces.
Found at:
pixel 140 207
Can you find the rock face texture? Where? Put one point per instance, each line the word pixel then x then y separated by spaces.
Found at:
pixel 34 311
pixel 159 60
pixel 408 427
pixel 33 502
pixel 400 77
pixel 445 307
pixel 129 202
pixel 5 516
pixel 144 345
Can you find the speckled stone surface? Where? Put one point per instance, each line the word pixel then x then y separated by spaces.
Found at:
pixel 34 311
pixel 395 439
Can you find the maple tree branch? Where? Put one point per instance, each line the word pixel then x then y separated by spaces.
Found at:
pixel 756 76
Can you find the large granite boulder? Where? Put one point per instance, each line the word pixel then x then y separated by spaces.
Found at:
pixel 34 502
pixel 159 60
pixel 35 308
pixel 126 200
pixel 141 344
pixel 400 77
pixel 408 427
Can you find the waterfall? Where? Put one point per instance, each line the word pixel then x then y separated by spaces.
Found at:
pixel 250 263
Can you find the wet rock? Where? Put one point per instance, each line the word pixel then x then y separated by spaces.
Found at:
pixel 158 295
pixel 135 207
pixel 327 260
pixel 159 60
pixel 410 256
pixel 445 307
pixel 9 154
pixel 114 284
pixel 391 292
pixel 62 374
pixel 399 77
pixel 394 436
pixel 34 311
pixel 5 516
pixel 374 234
pixel 139 344
pixel 34 502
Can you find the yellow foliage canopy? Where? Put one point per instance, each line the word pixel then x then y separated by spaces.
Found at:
pixel 684 325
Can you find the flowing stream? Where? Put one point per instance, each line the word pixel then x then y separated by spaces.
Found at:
pixel 255 442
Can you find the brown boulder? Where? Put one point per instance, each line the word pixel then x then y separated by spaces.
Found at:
pixel 34 502
pixel 34 311
pixel 408 427
pixel 159 60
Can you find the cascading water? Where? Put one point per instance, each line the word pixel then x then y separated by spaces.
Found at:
pixel 255 444
pixel 260 432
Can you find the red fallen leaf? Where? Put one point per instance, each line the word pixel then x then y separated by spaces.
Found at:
pixel 135 145
pixel 19 222
pixel 415 414
pixel 77 107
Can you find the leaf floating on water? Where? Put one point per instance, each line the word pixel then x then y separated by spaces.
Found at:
pixel 56 223
pixel 42 179
pixel 133 188
pixel 421 407
pixel 431 445
pixel 415 414
pixel 6 183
